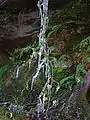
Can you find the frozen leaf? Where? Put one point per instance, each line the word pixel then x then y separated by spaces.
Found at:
pixel 44 92
pixel 44 35
pixel 41 44
pixel 58 87
pixel 49 86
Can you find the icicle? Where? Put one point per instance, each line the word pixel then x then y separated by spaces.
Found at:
pixel 17 71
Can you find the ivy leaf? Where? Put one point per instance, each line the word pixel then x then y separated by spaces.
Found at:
pixel 64 80
pixel 54 27
pixel 88 49
pixel 44 92
pixel 59 70
pixel 88 58
pixel 80 68
pixel 50 34
pixel 44 35
pixel 41 44
pixel 52 48
pixel 79 78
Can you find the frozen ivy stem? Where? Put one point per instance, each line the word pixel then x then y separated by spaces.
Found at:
pixel 43 10
pixel 43 61
pixel 17 71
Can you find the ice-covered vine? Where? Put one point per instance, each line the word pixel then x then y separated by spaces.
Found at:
pixel 43 11
pixel 42 56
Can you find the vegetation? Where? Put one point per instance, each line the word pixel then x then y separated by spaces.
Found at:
pixel 47 78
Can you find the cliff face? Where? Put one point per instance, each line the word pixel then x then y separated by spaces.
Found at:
pixel 20 4
pixel 17 31
pixel 19 21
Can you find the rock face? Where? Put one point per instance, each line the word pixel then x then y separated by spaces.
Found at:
pixel 18 33
pixel 17 25
pixel 19 4
pixel 30 4
pixel 18 22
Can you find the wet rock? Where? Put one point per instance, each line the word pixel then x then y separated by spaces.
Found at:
pixel 14 5
pixel 18 32
pixel 18 27
pixel 18 4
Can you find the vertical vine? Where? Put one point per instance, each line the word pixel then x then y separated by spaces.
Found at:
pixel 43 54
pixel 42 57
pixel 43 11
